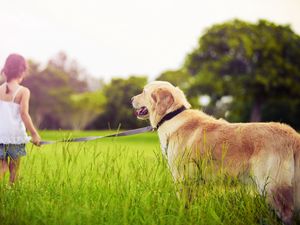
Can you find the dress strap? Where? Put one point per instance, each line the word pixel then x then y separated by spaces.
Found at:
pixel 15 94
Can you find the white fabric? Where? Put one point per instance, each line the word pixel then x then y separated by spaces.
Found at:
pixel 12 128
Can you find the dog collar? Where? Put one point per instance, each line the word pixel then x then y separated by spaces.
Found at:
pixel 170 116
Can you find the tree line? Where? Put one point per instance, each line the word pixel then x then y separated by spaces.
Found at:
pixel 246 72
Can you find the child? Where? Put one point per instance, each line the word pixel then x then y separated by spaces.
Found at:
pixel 14 117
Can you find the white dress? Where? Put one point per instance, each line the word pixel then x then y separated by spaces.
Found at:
pixel 12 128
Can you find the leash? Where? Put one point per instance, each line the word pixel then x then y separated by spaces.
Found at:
pixel 121 134
pixel 90 138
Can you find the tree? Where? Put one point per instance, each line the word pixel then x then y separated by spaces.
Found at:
pixel 60 95
pixel 253 63
pixel 50 104
pixel 77 76
pixel 118 112
pixel 176 77
pixel 86 107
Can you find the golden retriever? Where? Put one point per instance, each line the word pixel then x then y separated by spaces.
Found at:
pixel 268 152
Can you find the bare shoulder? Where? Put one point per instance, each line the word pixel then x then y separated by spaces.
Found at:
pixel 25 90
pixel 24 94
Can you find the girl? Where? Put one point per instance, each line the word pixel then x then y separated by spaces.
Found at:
pixel 14 117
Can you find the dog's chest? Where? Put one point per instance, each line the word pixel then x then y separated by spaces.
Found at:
pixel 165 132
pixel 164 144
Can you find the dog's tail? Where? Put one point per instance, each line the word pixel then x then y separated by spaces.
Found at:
pixel 297 181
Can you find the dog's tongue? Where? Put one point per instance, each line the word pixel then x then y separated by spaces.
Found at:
pixel 141 112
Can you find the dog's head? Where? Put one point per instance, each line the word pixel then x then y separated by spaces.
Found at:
pixel 158 99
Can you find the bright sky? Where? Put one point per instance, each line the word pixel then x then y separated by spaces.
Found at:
pixel 124 37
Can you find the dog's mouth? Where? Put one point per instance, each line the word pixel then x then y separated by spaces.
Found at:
pixel 142 112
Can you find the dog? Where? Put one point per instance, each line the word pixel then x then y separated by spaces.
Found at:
pixel 268 152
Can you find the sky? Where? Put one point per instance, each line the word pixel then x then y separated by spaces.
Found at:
pixel 118 38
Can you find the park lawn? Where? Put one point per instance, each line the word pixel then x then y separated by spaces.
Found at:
pixel 120 180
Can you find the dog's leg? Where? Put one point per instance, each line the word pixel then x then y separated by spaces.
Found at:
pixel 281 198
pixel 273 176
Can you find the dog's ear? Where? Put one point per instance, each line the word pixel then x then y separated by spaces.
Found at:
pixel 163 99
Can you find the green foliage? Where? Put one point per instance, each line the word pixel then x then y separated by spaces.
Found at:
pixel 118 110
pixel 60 97
pixel 118 181
pixel 50 92
pixel 178 78
pixel 87 106
pixel 254 63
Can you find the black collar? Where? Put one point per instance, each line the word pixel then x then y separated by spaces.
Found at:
pixel 170 116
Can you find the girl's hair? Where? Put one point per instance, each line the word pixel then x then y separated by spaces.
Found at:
pixel 13 68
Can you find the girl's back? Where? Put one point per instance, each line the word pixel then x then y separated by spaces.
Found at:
pixel 12 129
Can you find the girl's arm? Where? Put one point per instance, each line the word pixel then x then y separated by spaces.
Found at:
pixel 24 110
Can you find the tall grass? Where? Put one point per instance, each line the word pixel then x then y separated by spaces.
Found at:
pixel 119 181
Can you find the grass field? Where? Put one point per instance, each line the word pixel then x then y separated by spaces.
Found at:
pixel 118 181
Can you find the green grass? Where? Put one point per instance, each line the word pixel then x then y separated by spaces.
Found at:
pixel 118 181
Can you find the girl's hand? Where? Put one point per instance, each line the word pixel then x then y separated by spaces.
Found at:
pixel 36 139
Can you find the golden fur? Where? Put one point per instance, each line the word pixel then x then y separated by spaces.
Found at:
pixel 270 152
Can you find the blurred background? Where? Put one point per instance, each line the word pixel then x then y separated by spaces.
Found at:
pixel 238 60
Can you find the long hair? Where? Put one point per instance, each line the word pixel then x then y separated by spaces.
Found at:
pixel 15 65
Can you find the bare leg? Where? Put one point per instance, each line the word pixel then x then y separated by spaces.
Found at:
pixel 3 167
pixel 13 168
